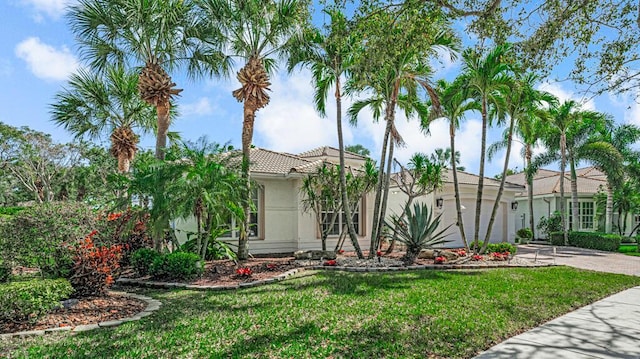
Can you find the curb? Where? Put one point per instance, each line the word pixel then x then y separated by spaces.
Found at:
pixel 152 306
pixel 165 285
pixel 290 273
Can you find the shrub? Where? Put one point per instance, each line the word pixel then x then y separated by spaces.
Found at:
pixel 215 249
pixel 5 272
pixel 142 259
pixel 10 211
pixel 589 240
pixel 29 300
pixel 177 265
pixel 550 225
pixel 244 272
pixel 524 233
pixel 94 267
pixel 501 248
pixel 39 236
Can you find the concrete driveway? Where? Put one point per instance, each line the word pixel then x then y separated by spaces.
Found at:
pixel 582 258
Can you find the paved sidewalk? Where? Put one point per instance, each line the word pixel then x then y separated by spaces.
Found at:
pixel 582 258
pixel 609 328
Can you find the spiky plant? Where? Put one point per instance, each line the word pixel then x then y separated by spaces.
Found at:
pixel 418 229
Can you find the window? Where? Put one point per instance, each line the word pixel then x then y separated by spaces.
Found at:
pixel 586 215
pixel 341 221
pixel 254 218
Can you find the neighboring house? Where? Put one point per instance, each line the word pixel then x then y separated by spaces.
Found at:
pixel 546 198
pixel 279 224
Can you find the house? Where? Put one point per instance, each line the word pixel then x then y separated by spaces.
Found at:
pixel 280 225
pixel 546 198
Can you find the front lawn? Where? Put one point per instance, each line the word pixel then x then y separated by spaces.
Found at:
pixel 332 314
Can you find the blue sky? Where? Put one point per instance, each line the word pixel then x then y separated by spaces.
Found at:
pixel 38 52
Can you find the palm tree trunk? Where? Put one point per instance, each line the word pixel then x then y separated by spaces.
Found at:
pixel 123 163
pixel 575 207
pixel 456 188
pixel 379 187
pixel 247 136
pixel 385 195
pixel 496 204
pixel 608 218
pixel 343 177
pixel 563 165
pixel 530 192
pixel 483 150
pixel 163 113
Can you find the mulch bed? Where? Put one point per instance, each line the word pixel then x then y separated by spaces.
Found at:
pixel 86 311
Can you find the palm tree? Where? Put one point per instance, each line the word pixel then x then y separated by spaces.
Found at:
pixel 486 79
pixel 328 59
pixel 454 105
pixel 611 152
pixel 255 32
pixel 93 105
pixel 157 36
pixel 442 156
pixel 393 68
pixel 523 103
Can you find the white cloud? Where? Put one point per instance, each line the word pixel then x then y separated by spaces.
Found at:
pixel 51 8
pixel 290 123
pixel 563 95
pixel 45 61
pixel 201 107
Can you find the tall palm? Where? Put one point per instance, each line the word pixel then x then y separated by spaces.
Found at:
pixel 523 104
pixel 393 68
pixel 329 59
pixel 454 105
pixel 255 32
pixel 157 36
pixel 486 78
pixel 612 153
pixel 93 105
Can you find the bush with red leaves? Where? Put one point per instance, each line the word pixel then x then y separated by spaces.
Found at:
pixel 94 267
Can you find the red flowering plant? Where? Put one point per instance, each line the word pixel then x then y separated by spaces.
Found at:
pixel 476 257
pixel 331 263
pixel 439 260
pixel 244 272
pixel 498 256
pixel 341 251
pixel 94 266
pixel 127 228
pixel 379 253
pixel 461 252
pixel 271 266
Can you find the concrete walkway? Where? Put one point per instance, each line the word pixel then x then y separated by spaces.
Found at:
pixel 582 258
pixel 609 328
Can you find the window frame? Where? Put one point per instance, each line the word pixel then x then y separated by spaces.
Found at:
pixel 233 233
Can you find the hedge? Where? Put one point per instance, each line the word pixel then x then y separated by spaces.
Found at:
pixel 589 240
pixel 28 300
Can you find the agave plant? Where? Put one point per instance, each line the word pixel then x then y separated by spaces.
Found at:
pixel 417 230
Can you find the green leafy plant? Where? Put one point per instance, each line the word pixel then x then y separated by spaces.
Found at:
pixel 142 260
pixel 177 265
pixel 216 249
pixel 524 233
pixel 5 272
pixel 10 211
pixel 502 247
pixel 589 240
pixel 39 236
pixel 549 225
pixel 26 301
pixel 417 230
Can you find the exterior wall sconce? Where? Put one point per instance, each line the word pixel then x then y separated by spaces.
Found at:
pixel 439 202
pixel 514 205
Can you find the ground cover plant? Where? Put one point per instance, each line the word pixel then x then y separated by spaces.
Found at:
pixel 629 249
pixel 415 314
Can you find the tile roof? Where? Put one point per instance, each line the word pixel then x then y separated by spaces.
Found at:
pixel 472 179
pixel 589 180
pixel 271 162
pixel 330 152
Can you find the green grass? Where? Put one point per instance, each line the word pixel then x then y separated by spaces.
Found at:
pixel 629 249
pixel 333 314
